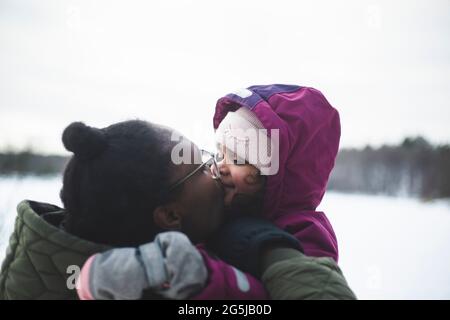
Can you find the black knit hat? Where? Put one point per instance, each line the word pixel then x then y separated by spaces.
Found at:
pixel 110 183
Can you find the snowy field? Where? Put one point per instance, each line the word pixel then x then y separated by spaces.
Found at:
pixel 390 248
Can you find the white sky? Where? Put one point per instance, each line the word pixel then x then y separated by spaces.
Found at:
pixel 385 65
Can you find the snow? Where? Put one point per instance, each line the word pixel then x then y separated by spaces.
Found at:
pixel 390 248
pixel 15 189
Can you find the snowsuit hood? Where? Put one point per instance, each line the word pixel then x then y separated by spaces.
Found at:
pixel 309 134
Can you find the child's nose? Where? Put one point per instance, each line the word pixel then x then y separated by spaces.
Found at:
pixel 223 168
pixel 225 174
pixel 214 171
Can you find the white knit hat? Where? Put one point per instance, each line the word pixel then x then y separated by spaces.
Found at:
pixel 244 136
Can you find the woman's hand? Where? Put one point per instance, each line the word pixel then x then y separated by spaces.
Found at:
pixel 171 267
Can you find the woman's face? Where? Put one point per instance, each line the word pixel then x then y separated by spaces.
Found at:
pixel 198 208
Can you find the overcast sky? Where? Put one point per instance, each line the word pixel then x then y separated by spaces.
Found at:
pixel 385 65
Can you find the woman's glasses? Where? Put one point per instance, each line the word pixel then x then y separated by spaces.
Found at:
pixel 209 161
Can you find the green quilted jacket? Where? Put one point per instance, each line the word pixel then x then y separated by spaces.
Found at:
pixel 290 275
pixel 42 259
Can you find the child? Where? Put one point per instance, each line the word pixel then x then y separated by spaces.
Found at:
pixel 302 149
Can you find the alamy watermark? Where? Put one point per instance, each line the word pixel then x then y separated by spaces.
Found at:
pixel 258 147
pixel 73 280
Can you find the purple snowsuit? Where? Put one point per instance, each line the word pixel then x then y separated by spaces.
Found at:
pixel 309 132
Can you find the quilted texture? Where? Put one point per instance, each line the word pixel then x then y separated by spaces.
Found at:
pixel 39 254
pixel 307 278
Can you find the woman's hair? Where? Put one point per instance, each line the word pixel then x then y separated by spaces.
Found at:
pixel 112 182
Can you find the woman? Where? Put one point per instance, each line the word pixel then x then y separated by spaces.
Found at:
pixel 120 189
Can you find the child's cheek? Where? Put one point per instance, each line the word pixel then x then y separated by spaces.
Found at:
pixel 239 174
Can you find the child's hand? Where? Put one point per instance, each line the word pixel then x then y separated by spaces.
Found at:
pixel 242 240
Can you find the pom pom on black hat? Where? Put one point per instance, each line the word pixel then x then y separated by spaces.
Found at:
pixel 84 141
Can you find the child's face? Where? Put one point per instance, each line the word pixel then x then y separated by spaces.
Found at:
pixel 243 183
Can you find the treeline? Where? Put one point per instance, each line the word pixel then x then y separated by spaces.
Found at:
pixel 29 163
pixel 413 168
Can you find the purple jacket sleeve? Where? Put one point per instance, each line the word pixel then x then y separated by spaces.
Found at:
pixel 313 230
pixel 228 283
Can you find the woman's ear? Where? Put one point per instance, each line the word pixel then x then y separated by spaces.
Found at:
pixel 167 217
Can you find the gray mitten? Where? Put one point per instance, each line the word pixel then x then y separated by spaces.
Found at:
pixel 170 267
